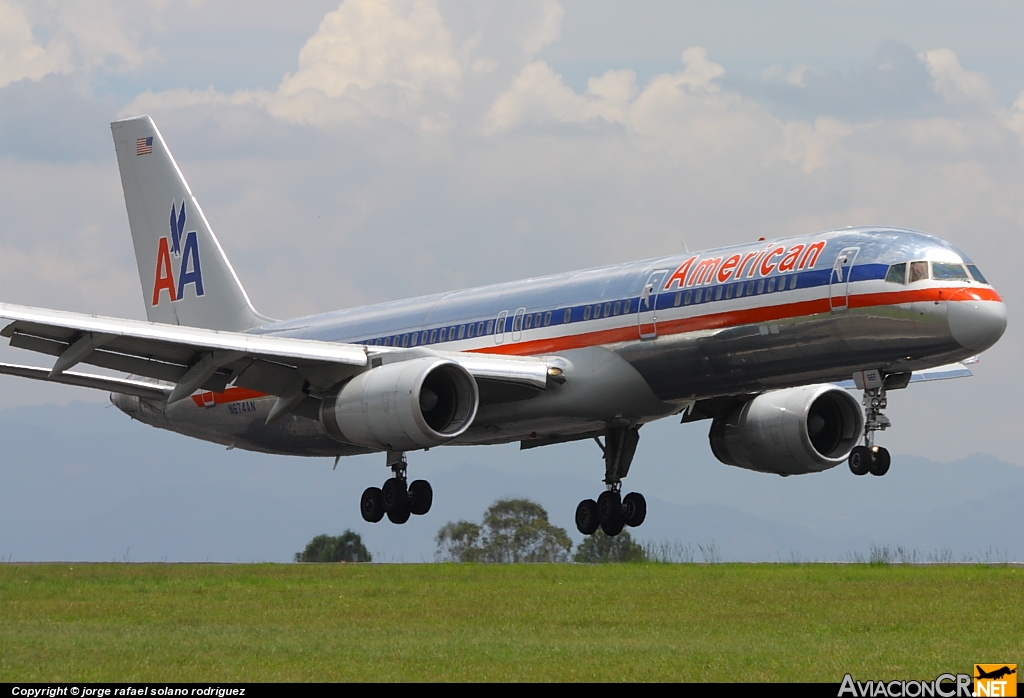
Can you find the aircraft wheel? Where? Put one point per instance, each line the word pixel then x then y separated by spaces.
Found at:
pixel 614 528
pixel 399 515
pixel 421 496
pixel 635 508
pixel 880 461
pixel 395 495
pixel 371 506
pixel 586 517
pixel 609 507
pixel 860 460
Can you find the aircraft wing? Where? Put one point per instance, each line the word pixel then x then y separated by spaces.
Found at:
pixel 199 359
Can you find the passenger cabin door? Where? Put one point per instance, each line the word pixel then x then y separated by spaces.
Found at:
pixel 647 312
pixel 839 282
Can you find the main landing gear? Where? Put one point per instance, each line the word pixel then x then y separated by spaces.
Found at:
pixel 396 499
pixel 870 458
pixel 612 511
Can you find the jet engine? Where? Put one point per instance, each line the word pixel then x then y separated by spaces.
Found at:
pixel 791 431
pixel 403 406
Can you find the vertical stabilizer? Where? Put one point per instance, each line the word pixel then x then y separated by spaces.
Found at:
pixel 186 277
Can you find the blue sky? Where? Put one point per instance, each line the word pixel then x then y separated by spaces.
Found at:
pixel 378 149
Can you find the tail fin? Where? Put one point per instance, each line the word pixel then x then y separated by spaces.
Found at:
pixel 186 277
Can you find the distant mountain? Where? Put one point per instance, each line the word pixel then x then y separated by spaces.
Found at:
pixel 86 483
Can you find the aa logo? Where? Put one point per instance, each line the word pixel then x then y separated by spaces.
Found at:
pixel 995 679
pixel 181 246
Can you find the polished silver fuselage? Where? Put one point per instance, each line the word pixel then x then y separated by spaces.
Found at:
pixel 636 345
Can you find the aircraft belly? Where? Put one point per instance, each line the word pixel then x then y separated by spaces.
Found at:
pixel 243 425
pixel 811 349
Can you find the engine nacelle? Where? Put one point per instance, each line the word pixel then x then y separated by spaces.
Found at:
pixel 791 431
pixel 403 406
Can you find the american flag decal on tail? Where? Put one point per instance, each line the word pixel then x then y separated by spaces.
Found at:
pixel 144 146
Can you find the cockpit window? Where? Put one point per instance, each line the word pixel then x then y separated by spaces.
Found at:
pixel 897 273
pixel 976 274
pixel 918 271
pixel 947 272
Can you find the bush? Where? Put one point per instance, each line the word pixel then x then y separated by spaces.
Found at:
pixel 600 547
pixel 513 530
pixel 348 547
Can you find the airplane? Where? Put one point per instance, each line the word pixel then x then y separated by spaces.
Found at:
pixel 763 340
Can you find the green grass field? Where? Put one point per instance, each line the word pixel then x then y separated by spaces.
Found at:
pixel 630 622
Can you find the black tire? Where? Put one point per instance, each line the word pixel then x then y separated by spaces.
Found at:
pixel 400 515
pixel 635 508
pixel 609 507
pixel 880 461
pixel 614 528
pixel 371 506
pixel 421 496
pixel 586 517
pixel 394 495
pixel 860 460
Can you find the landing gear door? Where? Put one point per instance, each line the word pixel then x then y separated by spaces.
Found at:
pixel 647 312
pixel 839 282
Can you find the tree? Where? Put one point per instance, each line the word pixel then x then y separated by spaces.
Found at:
pixel 348 547
pixel 600 547
pixel 513 530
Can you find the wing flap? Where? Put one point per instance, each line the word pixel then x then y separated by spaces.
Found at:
pixel 128 386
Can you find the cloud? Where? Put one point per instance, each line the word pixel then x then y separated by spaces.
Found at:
pixel 955 84
pixel 21 56
pixel 83 36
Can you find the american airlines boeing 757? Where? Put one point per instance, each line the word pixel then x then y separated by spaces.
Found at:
pixel 762 340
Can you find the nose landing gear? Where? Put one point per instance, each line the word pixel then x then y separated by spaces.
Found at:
pixel 396 499
pixel 611 512
pixel 870 458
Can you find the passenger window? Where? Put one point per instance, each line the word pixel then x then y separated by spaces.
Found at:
pixel 480 329
pixel 547 318
pixel 728 292
pixel 792 282
pixel 441 335
pixel 529 322
pixel 718 293
pixel 568 316
pixel 469 330
pixel 405 341
pixel 625 306
pixel 433 336
pixel 607 309
pixel 760 286
pixel 739 289
pixel 618 306
pixel 948 272
pixel 517 323
pixel 387 341
pixel 771 285
pixel 462 331
pixel 976 274
pixel 536 320
pixel 750 288
pixel 897 273
pixel 586 313
pixel 918 271
pixel 698 295
pixel 597 311
pixel 678 299
pixel 490 327
pixel 688 297
pixel 414 339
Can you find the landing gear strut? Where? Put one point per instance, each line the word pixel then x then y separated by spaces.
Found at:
pixel 612 511
pixel 396 499
pixel 870 458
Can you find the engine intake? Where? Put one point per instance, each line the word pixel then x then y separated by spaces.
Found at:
pixel 791 431
pixel 403 406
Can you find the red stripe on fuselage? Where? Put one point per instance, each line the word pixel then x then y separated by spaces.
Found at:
pixel 735 318
pixel 229 395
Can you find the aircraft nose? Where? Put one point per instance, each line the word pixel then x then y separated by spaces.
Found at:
pixel 975 324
